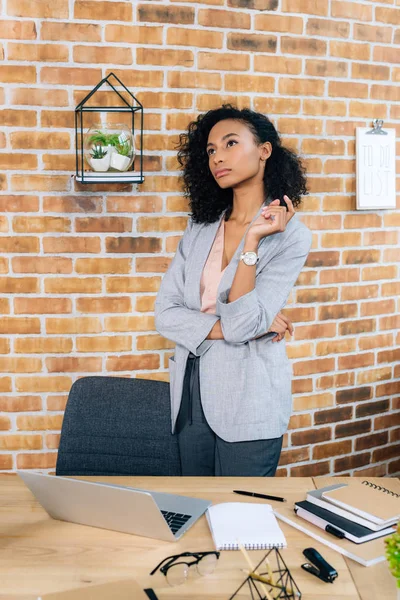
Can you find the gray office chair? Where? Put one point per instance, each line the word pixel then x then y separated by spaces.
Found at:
pixel 118 426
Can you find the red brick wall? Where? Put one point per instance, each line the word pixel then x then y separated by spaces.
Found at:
pixel 80 266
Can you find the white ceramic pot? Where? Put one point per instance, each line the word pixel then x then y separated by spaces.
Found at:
pixel 398 593
pixel 100 164
pixel 119 162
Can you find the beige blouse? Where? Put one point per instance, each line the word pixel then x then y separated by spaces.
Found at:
pixel 212 273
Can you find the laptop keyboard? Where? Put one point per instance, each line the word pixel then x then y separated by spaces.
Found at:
pixel 175 520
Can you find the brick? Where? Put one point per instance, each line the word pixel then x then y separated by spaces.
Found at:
pixel 351 10
pixel 18 118
pixel 73 364
pixel 103 11
pixel 351 462
pixel 42 305
pixel 133 363
pixel 280 64
pixel 20 403
pixel 394 467
pixel 340 203
pixel 187 79
pixel 39 422
pixel 5 423
pixel 392 322
pixel 167 57
pixel 19 285
pixel 331 449
pixel 17 74
pixel 37 460
pixel 109 304
pixel 322 259
pixel 102 54
pixel 353 395
pixel 318 223
pixel 133 245
pixel 373 72
pixel 22 325
pixel 249 83
pixel 292 456
pixel 6 462
pixel 317 295
pixel 327 28
pixel 133 34
pixel 38 8
pixel 334 381
pixel 153 342
pixel 375 341
pixel 298 421
pixel 277 23
pixel 72 245
pixel 251 42
pixel 53 441
pixel 313 401
pixel 303 46
pixel 39 97
pixel 388 389
pixel 307 332
pixel 312 436
pixel 335 347
pixel 386 54
pixel 372 33
pixel 346 166
pixel 254 4
pixel 165 14
pixel 56 402
pixel 337 311
pixel 377 308
pixel 395 435
pixel 309 127
pixel 389 356
pixel 311 470
pixel 378 273
pixel 145 303
pixel 79 325
pixel 63 76
pixel 300 386
pixel 21 442
pixel 18 30
pixel 372 440
pixel 301 87
pixel 353 428
pixel 386 421
pixel 103 265
pixel 134 204
pixel 41 140
pixel 376 471
pixel 132 284
pixel 38 52
pixel 43 345
pixel 357 326
pixel 356 361
pixel 70 32
pixel 365 110
pixel 385 92
pixel 372 375
pixel 122 323
pixel 382 454
pixel 300 315
pixel 310 7
pixel 104 344
pixel 333 415
pixel 188 37
pixel 12 161
pixel 359 292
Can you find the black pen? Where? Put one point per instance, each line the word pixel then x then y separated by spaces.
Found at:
pixel 255 495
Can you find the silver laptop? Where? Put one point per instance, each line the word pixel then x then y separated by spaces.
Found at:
pixel 120 508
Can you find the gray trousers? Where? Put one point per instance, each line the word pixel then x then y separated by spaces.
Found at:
pixel 205 453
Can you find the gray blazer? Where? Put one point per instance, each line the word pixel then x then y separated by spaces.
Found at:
pixel 245 383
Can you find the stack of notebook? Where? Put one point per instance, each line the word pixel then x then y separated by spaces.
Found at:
pixel 350 516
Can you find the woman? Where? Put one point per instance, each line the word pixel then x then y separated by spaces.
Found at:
pixel 235 265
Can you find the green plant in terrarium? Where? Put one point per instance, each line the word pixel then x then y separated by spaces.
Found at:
pixel 124 149
pixel 393 554
pixel 97 152
pixel 103 139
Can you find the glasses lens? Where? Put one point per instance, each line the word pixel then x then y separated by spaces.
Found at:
pixel 207 564
pixel 177 574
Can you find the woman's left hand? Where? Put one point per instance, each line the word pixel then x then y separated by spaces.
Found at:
pixel 273 219
pixel 280 325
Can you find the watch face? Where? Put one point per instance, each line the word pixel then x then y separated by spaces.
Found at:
pixel 250 258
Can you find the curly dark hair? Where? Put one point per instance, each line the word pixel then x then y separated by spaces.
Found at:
pixel 284 172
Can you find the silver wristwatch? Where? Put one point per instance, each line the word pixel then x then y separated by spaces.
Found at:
pixel 249 258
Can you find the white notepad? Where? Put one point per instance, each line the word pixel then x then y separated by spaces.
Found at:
pixel 254 526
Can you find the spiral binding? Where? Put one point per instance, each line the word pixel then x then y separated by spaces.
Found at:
pixel 250 546
pixel 379 488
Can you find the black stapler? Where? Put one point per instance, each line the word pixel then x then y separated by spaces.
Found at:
pixel 322 569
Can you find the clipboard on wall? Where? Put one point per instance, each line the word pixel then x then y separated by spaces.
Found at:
pixel 375 167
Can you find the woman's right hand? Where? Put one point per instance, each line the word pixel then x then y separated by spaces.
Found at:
pixel 280 325
pixel 272 219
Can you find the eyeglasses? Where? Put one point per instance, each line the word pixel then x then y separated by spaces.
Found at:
pixel 177 572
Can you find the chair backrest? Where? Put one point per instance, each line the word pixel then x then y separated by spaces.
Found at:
pixel 118 426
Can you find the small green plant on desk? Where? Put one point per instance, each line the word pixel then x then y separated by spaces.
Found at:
pixel 393 555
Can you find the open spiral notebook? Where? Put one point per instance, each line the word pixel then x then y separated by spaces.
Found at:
pixel 252 525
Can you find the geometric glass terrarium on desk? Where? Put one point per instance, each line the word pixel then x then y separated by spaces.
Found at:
pixel 109 135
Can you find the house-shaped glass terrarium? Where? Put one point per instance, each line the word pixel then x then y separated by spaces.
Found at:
pixel 109 135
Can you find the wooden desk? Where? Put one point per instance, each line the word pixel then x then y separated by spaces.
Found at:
pixel 39 555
